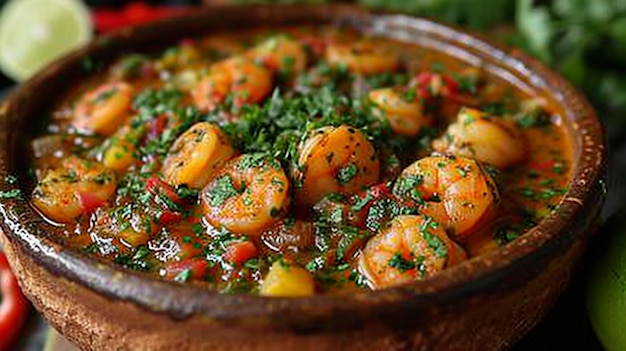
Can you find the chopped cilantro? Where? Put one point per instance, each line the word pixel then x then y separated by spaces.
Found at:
pixel 347 173
pixel 223 188
pixel 184 275
pixel 11 194
pixel 400 263
pixel 433 241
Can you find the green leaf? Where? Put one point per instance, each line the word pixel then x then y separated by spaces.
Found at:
pixel 600 10
pixel 617 32
pixel 573 10
pixel 534 23
pixel 480 16
pixel 569 52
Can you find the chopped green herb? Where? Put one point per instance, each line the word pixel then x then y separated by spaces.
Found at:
pixel 223 188
pixel 347 173
pixel 400 263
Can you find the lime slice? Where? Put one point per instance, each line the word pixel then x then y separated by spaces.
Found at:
pixel 35 32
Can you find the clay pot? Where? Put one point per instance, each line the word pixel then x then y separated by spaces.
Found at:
pixel 486 303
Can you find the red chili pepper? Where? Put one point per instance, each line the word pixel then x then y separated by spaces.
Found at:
pixel 193 268
pixel 134 13
pixel 13 307
pixel 239 252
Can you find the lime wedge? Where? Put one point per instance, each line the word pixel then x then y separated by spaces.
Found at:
pixel 35 32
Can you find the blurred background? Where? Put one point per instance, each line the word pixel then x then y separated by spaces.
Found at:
pixel 584 40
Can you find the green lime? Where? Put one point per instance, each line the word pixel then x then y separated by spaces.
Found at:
pixel 35 32
pixel 606 287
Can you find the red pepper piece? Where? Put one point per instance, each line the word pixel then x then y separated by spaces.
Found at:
pixel 359 208
pixel 430 85
pixel 240 252
pixel 13 307
pixel 169 217
pixel 134 13
pixel 90 202
pixel 191 268
pixel 156 186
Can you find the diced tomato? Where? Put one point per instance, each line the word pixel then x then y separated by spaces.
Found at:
pixel 156 186
pixel 240 252
pixel 156 126
pixel 90 202
pixel 316 45
pixel 196 268
pixel 169 217
pixel 542 166
pixel 13 306
pixel 361 203
pixel 430 85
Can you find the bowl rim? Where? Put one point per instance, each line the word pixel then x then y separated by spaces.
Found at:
pixel 585 191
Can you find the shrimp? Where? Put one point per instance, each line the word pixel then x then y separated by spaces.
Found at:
pixel 248 195
pixel 280 54
pixel 247 82
pixel 405 117
pixel 408 248
pixel 365 57
pixel 196 155
pixel 487 139
pixel 334 160
pixel 103 110
pixel 78 187
pixel 455 191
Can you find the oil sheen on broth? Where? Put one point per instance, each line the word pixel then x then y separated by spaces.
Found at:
pixel 295 162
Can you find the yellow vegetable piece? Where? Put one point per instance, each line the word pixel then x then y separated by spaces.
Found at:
pixel 287 279
pixel 119 155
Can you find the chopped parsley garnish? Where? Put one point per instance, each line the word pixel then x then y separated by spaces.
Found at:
pixel 433 241
pixel 11 194
pixel 400 263
pixel 407 186
pixel 135 261
pixel 223 188
pixel 506 235
pixel 347 173
pixel 184 275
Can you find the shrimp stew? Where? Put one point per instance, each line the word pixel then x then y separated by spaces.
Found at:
pixel 296 162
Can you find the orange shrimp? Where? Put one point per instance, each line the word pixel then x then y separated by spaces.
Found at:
pixel 455 191
pixel 248 195
pixel 365 57
pixel 280 54
pixel 334 160
pixel 408 248
pixel 247 82
pixel 196 155
pixel 78 187
pixel 405 117
pixel 105 109
pixel 488 139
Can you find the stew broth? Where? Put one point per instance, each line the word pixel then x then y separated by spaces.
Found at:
pixel 296 161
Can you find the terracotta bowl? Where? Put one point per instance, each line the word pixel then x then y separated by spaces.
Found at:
pixel 485 303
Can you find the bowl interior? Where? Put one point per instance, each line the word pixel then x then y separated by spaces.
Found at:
pixel 528 254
